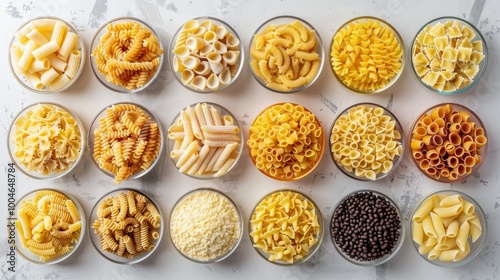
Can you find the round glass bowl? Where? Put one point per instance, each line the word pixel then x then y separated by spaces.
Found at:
pixel 30 203
pixel 220 143
pixel 46 146
pixel 280 216
pixel 448 55
pixel 131 125
pixel 206 226
pixel 292 138
pixel 366 142
pixel 108 232
pixel 42 73
pixel 448 142
pixel 448 253
pixel 206 55
pixel 383 62
pixel 121 70
pixel 354 210
pixel 304 53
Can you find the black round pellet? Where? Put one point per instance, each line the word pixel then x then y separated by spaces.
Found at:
pixel 366 226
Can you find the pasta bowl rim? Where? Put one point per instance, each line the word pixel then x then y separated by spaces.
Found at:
pixel 319 49
pixel 483 65
pixel 25 253
pixel 96 40
pixel 38 175
pixel 94 238
pixel 241 143
pixel 323 143
pixel 241 58
pixel 480 242
pixel 397 246
pixel 395 161
pixel 95 124
pixel 398 37
pixel 474 117
pixel 45 90
pixel 240 216
pixel 315 247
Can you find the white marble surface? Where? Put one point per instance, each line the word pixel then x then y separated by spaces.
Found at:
pixel 245 99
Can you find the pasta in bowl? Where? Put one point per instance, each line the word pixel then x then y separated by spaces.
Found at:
pixel 46 55
pixel 366 142
pixel 286 54
pixel 449 55
pixel 46 141
pixel 206 55
pixel 50 225
pixel 205 141
pixel 126 55
pixel 367 55
pixel 286 141
pixel 448 142
pixel 125 141
pixel 126 226
pixel 448 228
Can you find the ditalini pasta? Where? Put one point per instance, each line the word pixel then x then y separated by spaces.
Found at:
pixel 128 54
pixel 206 142
pixel 366 141
pixel 446 57
pixel 444 233
pixel 40 52
pixel 366 55
pixel 446 142
pixel 206 54
pixel 286 141
pixel 127 141
pixel 284 56
pixel 49 224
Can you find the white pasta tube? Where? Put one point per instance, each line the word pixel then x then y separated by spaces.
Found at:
pixel 44 24
pixel 37 37
pixel 214 159
pixel 34 80
pixel 206 161
pixel 188 163
pixel 15 56
pixel 225 168
pixel 48 76
pixel 68 45
pixel 57 63
pixel 207 114
pixel 187 129
pixel 199 115
pixel 224 156
pixel 39 65
pixel 215 116
pixel 202 155
pixel 59 82
pixel 195 126
pixel 220 129
pixel 45 50
pixel 27 57
pixel 190 150
pixel 73 64
pixel 58 33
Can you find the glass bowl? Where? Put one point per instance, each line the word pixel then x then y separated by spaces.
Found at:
pixel 193 232
pixel 38 132
pixel 144 162
pixel 206 55
pixel 353 145
pixel 59 78
pixel 32 200
pixel 154 226
pixel 464 64
pixel 218 146
pixel 300 156
pixel 313 53
pixel 334 224
pixel 446 161
pixel 152 70
pixel 341 66
pixel 282 199
pixel 474 247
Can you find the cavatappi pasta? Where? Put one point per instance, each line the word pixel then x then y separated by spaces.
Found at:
pixel 128 54
pixel 446 143
pixel 284 56
pixel 286 141
pixel 366 55
pixel 48 225
pixel 285 225
pixel 127 141
pixel 47 139
pixel 366 141
pixel 446 56
pixel 206 143
pixel 206 55
pixel 442 226
pixel 127 224
pixel 47 53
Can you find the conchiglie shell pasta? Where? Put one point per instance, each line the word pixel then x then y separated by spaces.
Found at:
pixel 225 77
pixel 213 82
pixel 231 57
pixel 199 82
pixel 186 76
pixel 190 62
